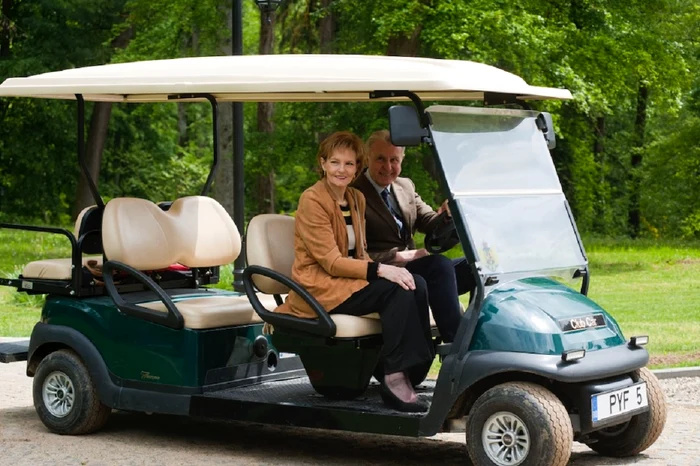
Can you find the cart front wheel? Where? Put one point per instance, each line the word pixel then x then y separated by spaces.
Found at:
pixel 519 424
pixel 64 396
pixel 640 432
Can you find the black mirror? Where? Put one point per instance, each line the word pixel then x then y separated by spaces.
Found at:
pixel 405 127
pixel 545 124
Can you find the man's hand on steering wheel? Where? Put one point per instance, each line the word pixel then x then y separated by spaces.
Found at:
pixel 445 208
pixel 444 236
pixel 408 255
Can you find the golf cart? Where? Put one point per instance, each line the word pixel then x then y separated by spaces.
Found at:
pixel 535 365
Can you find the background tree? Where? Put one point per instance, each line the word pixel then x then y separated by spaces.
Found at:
pixel 626 143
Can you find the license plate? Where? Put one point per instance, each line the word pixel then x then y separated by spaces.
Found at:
pixel 617 402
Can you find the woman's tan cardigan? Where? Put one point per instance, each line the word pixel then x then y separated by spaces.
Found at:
pixel 321 262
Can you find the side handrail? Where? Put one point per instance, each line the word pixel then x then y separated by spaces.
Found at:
pixel 171 319
pixel 76 259
pixel 324 326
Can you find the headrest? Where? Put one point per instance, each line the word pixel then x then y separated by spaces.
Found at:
pixel 270 243
pixel 196 231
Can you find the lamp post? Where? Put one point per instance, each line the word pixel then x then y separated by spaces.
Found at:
pixel 267 7
pixel 238 179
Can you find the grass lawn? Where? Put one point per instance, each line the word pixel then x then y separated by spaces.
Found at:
pixel 650 288
pixel 19 311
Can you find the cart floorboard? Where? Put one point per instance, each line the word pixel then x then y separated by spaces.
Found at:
pixel 294 402
pixel 14 351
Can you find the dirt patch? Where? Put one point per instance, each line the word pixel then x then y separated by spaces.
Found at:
pixel 689 261
pixel 675 359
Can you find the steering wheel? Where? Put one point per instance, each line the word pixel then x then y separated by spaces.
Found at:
pixel 443 237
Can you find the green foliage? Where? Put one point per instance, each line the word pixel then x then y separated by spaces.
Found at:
pixel 603 51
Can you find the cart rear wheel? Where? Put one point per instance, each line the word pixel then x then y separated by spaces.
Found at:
pixel 519 424
pixel 640 432
pixel 64 396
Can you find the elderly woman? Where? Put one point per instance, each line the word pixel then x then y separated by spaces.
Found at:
pixel 331 262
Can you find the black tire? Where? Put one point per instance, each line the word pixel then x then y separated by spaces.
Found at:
pixel 516 414
pixel 641 431
pixel 64 396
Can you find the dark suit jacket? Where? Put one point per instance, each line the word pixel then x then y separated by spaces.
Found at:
pixel 383 237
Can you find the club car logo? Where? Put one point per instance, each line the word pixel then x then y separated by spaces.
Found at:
pixel 581 323
pixel 147 376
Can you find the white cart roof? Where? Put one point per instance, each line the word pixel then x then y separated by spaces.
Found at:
pixel 278 78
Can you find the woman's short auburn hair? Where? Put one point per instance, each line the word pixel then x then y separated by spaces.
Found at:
pixel 343 140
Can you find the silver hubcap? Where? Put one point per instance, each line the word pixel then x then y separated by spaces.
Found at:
pixel 506 439
pixel 58 394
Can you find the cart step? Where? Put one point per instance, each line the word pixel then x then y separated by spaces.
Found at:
pixel 14 351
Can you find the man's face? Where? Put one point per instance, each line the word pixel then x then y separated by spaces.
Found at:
pixel 384 162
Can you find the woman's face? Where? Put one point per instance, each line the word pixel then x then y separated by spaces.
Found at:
pixel 341 167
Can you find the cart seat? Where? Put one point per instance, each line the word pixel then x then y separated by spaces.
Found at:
pixel 215 311
pixel 54 269
pixel 60 269
pixel 270 244
pixel 197 232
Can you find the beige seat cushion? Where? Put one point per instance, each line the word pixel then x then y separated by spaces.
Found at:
pixel 53 269
pixel 212 311
pixel 216 311
pixel 196 231
pixel 270 243
pixel 347 326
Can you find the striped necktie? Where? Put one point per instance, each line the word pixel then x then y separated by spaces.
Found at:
pixel 396 215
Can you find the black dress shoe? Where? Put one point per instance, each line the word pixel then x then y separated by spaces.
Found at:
pixel 393 401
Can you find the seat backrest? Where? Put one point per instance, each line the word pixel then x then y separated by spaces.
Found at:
pixel 90 219
pixel 196 231
pixel 270 243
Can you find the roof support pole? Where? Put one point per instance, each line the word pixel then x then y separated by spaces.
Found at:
pixel 238 178
pixel 215 133
pixel 81 151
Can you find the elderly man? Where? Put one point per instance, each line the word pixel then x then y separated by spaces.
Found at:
pixel 394 212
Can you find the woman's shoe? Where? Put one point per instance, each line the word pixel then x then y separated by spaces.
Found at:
pixel 393 401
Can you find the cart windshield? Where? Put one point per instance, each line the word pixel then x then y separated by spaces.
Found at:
pixel 501 174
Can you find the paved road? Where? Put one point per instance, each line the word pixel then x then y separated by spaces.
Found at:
pixel 132 439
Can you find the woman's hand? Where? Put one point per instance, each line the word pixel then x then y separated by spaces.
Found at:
pixel 398 275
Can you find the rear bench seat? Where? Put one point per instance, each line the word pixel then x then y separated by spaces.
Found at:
pixel 270 243
pixel 61 269
pixel 196 232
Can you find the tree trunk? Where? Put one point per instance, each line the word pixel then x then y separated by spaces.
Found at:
pixel 405 46
pixel 97 135
pixel 634 218
pixel 5 36
pixel 266 179
pixel 326 28
pixel 599 157
pixel 223 179
pixel 5 27
pixel 326 41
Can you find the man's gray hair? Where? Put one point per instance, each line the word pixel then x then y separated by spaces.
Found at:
pixel 382 135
